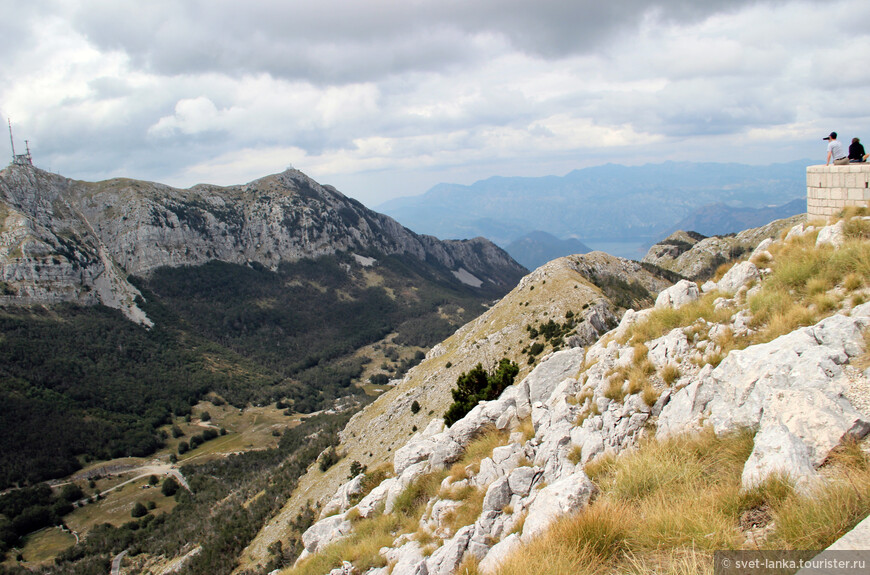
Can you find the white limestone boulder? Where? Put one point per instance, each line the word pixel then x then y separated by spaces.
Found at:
pixel 568 495
pixel 777 451
pixel 415 451
pixel 447 558
pixel 499 553
pixel 551 371
pixel 326 531
pixel 819 420
pixel 446 451
pixel 678 295
pixel 739 275
pixel 834 235
pixel 497 496
pixel 375 498
pixel 408 559
pixel 762 247
pixel 522 479
pixel 341 501
pixel 672 347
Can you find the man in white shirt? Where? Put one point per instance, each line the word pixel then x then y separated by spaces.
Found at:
pixel 836 152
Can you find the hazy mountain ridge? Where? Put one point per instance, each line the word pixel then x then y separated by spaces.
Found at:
pixel 611 201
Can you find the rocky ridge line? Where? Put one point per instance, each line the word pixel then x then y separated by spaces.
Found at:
pixel 67 240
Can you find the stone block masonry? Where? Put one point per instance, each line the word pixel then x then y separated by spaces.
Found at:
pixel 832 188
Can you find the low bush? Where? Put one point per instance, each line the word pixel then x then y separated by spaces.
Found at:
pixel 477 385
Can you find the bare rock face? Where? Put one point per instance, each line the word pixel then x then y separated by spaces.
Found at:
pixel 49 253
pixel 67 240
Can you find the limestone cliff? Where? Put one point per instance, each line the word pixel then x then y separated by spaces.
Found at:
pixel 68 240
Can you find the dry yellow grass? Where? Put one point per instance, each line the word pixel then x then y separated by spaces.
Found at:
pixel 361 548
pixel 853 281
pixel 669 373
pixel 650 394
pixel 468 512
pixel 831 509
pixel 663 320
pixel 527 428
pixel 667 506
pixel 615 389
pixel 488 439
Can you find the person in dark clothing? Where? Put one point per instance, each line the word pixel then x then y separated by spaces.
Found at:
pixel 856 151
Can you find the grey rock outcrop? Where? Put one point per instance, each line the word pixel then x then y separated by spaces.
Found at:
pixel 789 390
pixel 568 495
pixel 326 531
pixel 678 295
pixel 693 256
pixel 738 276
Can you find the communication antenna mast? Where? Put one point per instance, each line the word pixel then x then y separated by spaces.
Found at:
pixel 11 140
pixel 19 159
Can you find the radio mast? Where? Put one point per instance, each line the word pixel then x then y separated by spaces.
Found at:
pixel 19 159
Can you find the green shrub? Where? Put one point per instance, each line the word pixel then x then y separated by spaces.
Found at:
pixel 477 385
pixel 170 487
pixel 139 510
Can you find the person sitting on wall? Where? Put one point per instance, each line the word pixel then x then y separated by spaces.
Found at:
pixel 836 151
pixel 856 152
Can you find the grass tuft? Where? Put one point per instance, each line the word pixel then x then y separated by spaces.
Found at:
pixel 412 501
pixel 670 373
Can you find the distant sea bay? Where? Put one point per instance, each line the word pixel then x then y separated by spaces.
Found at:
pixel 633 249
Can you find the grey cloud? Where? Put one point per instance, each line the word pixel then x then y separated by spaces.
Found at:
pixel 338 41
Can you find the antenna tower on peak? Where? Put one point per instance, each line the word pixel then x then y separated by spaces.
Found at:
pixel 19 159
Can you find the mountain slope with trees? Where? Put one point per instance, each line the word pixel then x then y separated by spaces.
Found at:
pixel 126 302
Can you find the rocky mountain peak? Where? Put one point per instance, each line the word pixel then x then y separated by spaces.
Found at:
pixel 69 240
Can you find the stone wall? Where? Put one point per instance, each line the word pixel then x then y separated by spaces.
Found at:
pixel 832 188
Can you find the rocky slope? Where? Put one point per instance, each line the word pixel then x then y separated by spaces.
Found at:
pixel 67 240
pixel 722 365
pixel 550 292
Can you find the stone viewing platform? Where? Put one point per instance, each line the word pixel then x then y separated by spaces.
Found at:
pixel 832 188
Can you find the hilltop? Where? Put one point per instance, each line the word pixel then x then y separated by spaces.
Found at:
pixel 67 240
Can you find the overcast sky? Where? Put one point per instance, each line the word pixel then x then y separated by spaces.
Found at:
pixel 385 98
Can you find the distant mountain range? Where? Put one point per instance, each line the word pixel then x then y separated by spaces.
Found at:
pixel 610 202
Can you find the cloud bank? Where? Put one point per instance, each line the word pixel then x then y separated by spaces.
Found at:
pixel 385 98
